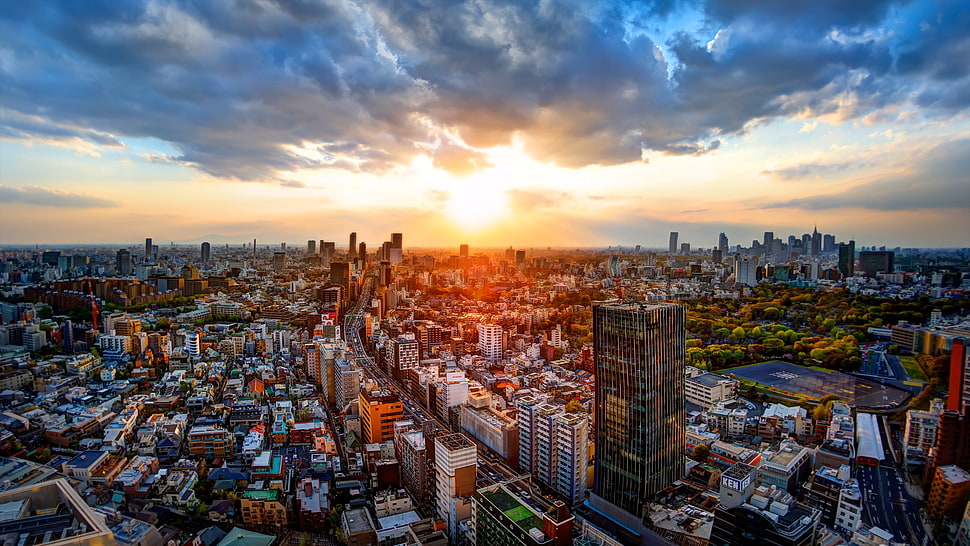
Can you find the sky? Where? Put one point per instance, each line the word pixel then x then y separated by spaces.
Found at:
pixel 493 123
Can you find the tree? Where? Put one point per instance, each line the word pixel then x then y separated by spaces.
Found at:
pixel 163 324
pixel 575 406
pixel 701 451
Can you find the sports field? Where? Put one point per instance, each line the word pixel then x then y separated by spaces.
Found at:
pixel 792 379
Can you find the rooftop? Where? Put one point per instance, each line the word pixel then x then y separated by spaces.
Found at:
pixel 514 509
pixel 262 494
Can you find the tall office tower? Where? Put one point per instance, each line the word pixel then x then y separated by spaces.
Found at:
pixel 828 243
pixel 385 252
pixel 807 244
pixel 490 341
pixel 817 242
pixel 206 252
pixel 123 262
pixel 320 246
pixel 456 466
pixel 397 248
pixel 717 256
pixel 148 247
pixel 722 243
pixel 509 254
pixel 640 359
pixel 746 270
pixel 362 252
pixel 340 274
pixel 519 257
pixel 352 248
pixel 846 258
pixel 463 251
pixel 327 251
pixel 279 261
pixel 959 397
pixel 672 247
pixel 685 248
pixel 769 241
pixel 311 247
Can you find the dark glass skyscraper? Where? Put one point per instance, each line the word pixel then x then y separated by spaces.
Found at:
pixel 640 356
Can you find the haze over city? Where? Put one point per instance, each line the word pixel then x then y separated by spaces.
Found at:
pixel 492 123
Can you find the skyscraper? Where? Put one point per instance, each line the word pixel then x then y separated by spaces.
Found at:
pixel 846 257
pixel 148 247
pixel 722 243
pixel 311 247
pixel 672 247
pixel 640 359
pixel 123 262
pixel 816 242
pixel 463 251
pixel 279 261
pixel 769 241
pixel 397 248
pixel 352 249
pixel 206 252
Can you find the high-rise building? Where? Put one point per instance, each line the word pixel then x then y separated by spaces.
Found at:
pixel 456 461
pixel 405 354
pixel 327 251
pixel 722 243
pixel 352 248
pixel 873 262
pixel 463 251
pixel 279 261
pixel 640 360
pixel 554 447
pixel 397 249
pixel 959 397
pixel 378 411
pixel 149 248
pixel 340 274
pixel 846 258
pixel 769 241
pixel 206 252
pixel 503 515
pixel 672 247
pixel 490 341
pixel 123 262
pixel 828 243
pixel 746 270
pixel 685 248
pixel 816 242
pixel 311 247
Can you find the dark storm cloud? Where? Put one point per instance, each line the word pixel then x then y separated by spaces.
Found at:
pixel 936 179
pixel 246 89
pixel 36 195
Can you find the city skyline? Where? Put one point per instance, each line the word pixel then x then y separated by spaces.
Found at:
pixel 566 124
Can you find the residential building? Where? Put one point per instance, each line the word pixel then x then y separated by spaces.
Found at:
pixel 210 441
pixel 455 469
pixel 263 507
pixel 378 411
pixel 500 515
pixel 490 341
pixel 358 527
pixel 949 492
pixel 312 504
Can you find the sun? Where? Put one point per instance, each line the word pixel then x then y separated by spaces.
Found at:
pixel 475 206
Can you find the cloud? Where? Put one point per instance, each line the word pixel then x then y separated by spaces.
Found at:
pixel 808 170
pixel 934 179
pixel 36 195
pixel 262 90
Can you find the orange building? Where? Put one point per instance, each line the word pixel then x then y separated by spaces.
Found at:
pixel 949 492
pixel 378 411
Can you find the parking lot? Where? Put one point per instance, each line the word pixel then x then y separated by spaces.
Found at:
pixel 792 379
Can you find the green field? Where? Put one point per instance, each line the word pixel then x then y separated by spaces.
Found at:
pixel 912 368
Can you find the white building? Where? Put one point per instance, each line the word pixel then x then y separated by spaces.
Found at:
pixel 490 341
pixel 554 447
pixel 706 389
pixel 456 467
pixel 920 432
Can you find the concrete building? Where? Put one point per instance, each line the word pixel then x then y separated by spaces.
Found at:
pixel 379 409
pixel 948 493
pixel 787 468
pixel 358 527
pixel 455 466
pixel 52 513
pixel 755 516
pixel 263 507
pixel 502 516
pixel 490 341
pixel 706 389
